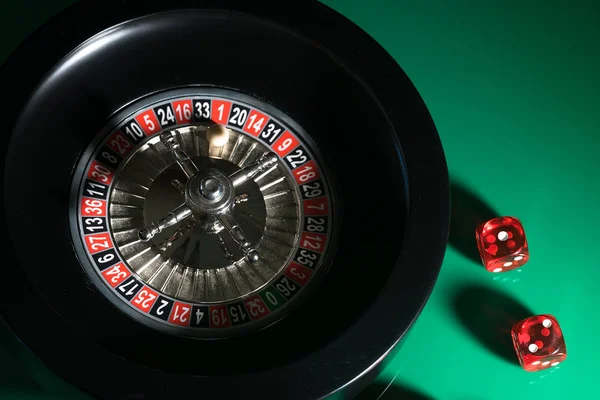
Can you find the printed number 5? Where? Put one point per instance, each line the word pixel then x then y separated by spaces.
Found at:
pixel 149 122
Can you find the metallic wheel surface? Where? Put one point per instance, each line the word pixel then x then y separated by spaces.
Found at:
pixel 202 209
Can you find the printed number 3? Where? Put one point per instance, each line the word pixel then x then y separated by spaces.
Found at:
pixel 203 110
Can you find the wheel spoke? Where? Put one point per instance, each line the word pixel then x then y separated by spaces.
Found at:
pixel 264 162
pixel 224 247
pixel 177 215
pixel 238 235
pixel 178 233
pixel 180 156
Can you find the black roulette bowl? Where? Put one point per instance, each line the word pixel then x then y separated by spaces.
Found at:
pixel 350 222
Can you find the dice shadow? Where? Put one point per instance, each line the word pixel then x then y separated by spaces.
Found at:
pixel 468 212
pixel 489 315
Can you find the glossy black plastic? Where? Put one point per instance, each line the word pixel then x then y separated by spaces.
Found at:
pixel 320 69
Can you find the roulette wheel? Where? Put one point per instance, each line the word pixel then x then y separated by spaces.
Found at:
pixel 215 198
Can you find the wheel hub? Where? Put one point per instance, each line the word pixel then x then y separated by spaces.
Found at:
pixel 211 189
pixel 209 193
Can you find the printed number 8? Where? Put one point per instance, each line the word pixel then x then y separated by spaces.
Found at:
pixel 112 159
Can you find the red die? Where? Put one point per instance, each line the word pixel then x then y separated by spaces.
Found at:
pixel 502 244
pixel 539 342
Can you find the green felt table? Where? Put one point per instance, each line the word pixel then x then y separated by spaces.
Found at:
pixel 514 90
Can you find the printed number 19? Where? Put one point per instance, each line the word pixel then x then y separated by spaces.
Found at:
pixel 219 317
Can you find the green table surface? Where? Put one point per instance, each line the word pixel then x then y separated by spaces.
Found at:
pixel 514 90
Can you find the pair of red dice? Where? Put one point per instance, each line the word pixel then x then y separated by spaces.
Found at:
pixel 538 340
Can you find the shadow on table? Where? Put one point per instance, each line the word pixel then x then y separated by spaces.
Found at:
pixel 468 212
pixel 489 316
pixel 13 375
pixel 381 391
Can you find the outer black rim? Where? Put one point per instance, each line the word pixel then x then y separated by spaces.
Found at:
pixel 424 239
